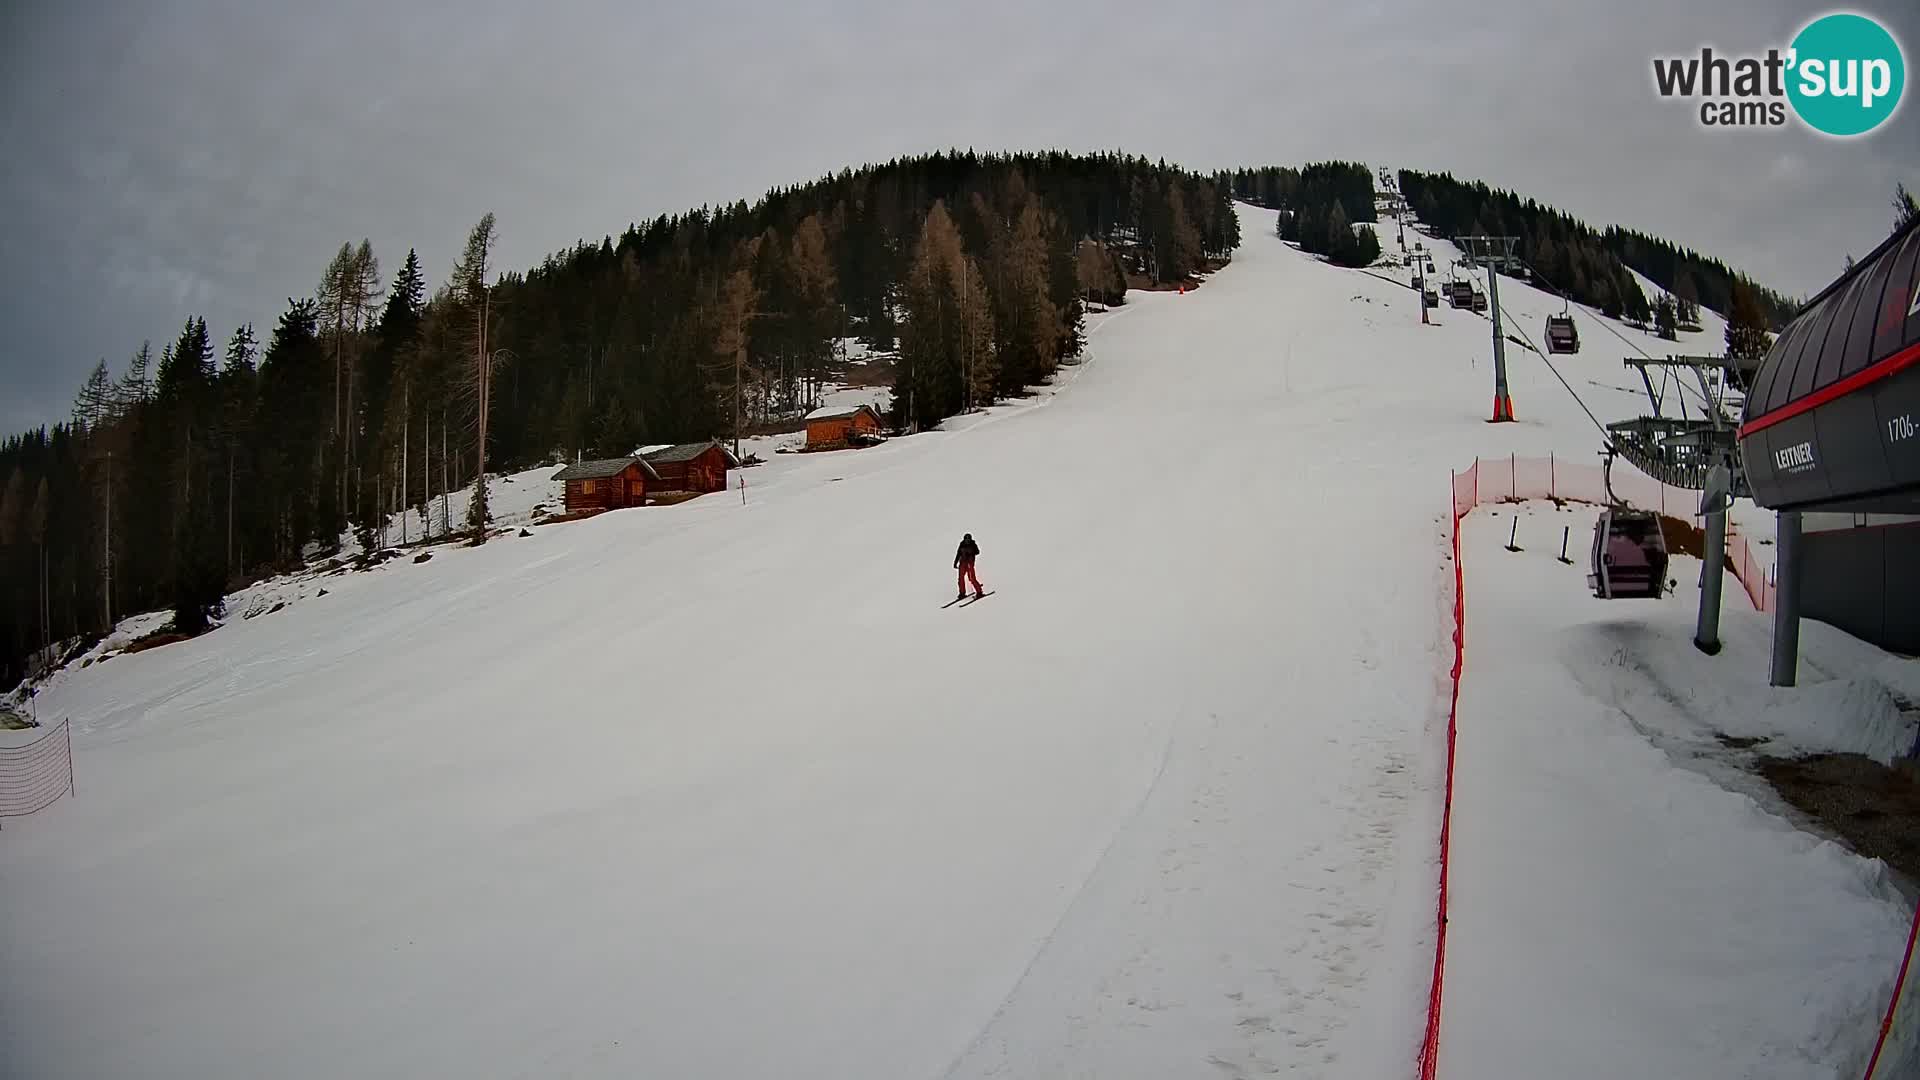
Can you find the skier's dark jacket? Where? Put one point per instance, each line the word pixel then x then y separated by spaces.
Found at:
pixel 967 553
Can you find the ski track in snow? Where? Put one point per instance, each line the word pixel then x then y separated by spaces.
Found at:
pixel 716 790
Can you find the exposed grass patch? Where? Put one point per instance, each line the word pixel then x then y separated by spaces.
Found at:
pixel 1873 808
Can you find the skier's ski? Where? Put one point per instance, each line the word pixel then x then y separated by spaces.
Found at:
pixel 971 600
pixel 951 602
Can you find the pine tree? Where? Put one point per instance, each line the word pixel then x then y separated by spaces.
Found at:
pixel 1339 234
pixel 348 295
pixel 1364 247
pixel 816 293
pixel 134 385
pixel 1686 303
pixel 735 306
pixel 1610 302
pixel 294 379
pixel 171 473
pixel 1179 249
pixel 37 538
pixel 335 298
pixel 12 506
pixel 1097 274
pixel 241 350
pixel 1026 322
pixel 237 389
pixel 1664 318
pixel 941 339
pixel 469 289
pixel 95 405
pixel 1906 209
pixel 1747 338
pixel 382 416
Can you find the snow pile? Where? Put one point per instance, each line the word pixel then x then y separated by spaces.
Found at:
pixel 1857 715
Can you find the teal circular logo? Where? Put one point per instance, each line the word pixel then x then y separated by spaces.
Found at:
pixel 1846 74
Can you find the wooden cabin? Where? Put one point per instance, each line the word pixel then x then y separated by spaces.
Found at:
pixel 833 428
pixel 608 483
pixel 696 467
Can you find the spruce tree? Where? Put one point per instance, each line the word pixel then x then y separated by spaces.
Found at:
pixel 94 406
pixel 294 381
pixel 1686 303
pixel 1340 247
pixel 1364 248
pixel 1664 319
pixel 1747 338
pixel 237 390
pixel 135 385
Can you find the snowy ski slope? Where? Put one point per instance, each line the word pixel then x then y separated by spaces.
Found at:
pixel 719 790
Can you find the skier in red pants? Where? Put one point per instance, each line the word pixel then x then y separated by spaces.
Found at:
pixel 963 562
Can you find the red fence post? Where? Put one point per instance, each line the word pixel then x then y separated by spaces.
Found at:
pixel 1899 982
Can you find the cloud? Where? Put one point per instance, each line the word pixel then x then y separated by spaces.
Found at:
pixel 208 156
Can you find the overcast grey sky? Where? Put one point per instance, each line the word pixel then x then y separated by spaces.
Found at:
pixel 179 157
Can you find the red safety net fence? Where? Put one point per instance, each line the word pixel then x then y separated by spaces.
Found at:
pixel 34 774
pixel 1506 480
pixel 1513 478
pixel 1906 1043
pixel 1465 493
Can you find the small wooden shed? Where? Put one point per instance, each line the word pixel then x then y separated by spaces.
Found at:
pixel 831 428
pixel 696 467
pixel 608 483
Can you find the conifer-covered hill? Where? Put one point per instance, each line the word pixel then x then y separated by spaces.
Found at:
pixel 192 472
pixel 1588 265
pixel 1320 205
pixel 1320 202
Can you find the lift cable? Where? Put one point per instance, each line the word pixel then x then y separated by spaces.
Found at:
pixel 1606 324
pixel 1606 435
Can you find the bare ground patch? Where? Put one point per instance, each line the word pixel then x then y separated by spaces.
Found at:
pixel 1873 808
